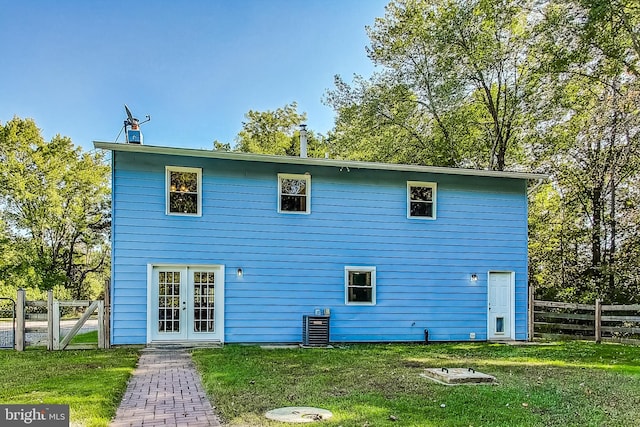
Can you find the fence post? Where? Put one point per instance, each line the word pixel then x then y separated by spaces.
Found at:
pixel 531 320
pixel 107 313
pixel 598 320
pixel 49 319
pixel 55 325
pixel 20 301
pixel 101 341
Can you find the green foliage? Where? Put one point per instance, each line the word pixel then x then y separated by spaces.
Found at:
pixel 270 132
pixel 276 132
pixel 590 143
pixel 55 211
pixel 453 87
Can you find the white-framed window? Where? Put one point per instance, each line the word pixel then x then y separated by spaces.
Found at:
pixel 421 199
pixel 294 193
pixel 360 285
pixel 184 191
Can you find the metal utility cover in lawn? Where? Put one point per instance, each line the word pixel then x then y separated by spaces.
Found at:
pixel 298 414
pixel 456 376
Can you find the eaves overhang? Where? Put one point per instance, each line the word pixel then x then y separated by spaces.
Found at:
pixel 351 164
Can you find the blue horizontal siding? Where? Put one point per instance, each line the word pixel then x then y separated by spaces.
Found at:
pixel 295 263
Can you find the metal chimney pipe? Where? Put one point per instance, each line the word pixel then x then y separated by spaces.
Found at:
pixel 303 141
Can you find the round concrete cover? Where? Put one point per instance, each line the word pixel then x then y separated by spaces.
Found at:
pixel 298 414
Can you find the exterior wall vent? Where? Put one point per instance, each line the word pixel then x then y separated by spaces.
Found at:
pixel 315 331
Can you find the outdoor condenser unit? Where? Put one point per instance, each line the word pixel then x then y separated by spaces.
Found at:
pixel 315 331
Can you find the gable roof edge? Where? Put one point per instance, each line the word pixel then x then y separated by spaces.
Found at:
pixel 265 158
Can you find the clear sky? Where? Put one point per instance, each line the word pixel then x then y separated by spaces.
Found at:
pixel 195 66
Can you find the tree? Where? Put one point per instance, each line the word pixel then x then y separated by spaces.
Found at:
pixel 277 132
pixel 611 27
pixel 591 140
pixel 454 82
pixel 55 204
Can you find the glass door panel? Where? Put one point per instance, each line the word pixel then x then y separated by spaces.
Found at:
pixel 203 301
pixel 169 302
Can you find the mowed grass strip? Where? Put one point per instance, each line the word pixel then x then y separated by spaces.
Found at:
pixel 556 384
pixel 91 382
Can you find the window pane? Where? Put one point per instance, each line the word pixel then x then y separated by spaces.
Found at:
pixel 422 209
pixel 360 294
pixel 360 278
pixel 183 203
pixel 293 203
pixel 168 299
pixel 184 182
pixel 422 193
pixel 294 186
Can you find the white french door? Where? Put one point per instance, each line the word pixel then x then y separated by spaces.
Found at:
pixel 186 303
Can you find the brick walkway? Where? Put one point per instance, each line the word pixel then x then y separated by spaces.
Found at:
pixel 165 390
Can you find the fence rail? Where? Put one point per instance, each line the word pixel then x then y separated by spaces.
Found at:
pixel 598 322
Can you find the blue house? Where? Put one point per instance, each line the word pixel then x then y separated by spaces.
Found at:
pixel 234 247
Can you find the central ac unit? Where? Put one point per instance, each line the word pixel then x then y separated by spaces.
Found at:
pixel 315 331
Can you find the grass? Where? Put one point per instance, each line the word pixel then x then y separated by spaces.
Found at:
pixel 559 384
pixel 91 382
pixel 90 337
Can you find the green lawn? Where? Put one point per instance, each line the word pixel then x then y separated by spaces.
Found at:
pixel 564 384
pixel 90 337
pixel 92 382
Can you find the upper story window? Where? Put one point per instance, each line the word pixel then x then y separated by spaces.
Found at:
pixel 421 200
pixel 294 193
pixel 184 191
pixel 360 285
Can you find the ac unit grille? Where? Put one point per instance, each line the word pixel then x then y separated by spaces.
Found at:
pixel 315 331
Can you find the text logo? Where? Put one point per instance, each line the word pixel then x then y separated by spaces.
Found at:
pixel 34 415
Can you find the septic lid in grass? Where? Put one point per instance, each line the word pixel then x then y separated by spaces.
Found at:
pixel 298 414
pixel 455 376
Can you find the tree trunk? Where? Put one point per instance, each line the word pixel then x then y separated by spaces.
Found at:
pixel 596 237
pixel 612 245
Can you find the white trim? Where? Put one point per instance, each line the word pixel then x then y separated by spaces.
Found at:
pixel 370 269
pixel 219 296
pixel 434 198
pixel 512 303
pixel 149 306
pixel 307 195
pixel 250 157
pixel 167 184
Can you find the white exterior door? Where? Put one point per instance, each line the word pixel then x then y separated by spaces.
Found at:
pixel 501 302
pixel 186 303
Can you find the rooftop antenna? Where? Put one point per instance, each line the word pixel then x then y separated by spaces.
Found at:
pixel 133 133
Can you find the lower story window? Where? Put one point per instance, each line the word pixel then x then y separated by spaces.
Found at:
pixel 360 285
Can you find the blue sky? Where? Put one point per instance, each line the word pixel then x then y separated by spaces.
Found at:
pixel 195 66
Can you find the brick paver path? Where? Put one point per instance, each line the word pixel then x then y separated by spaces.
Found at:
pixel 165 390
